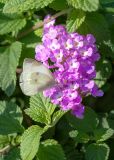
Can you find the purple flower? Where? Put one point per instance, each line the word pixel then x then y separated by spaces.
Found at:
pixel 96 92
pixel 73 57
pixel 90 39
pixel 78 111
pixel 42 54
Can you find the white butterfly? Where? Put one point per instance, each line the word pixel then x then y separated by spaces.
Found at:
pixel 35 77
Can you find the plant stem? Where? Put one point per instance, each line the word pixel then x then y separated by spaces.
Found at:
pixel 19 70
pixel 5 150
pixel 40 24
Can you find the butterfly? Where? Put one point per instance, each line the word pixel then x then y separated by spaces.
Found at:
pixel 35 77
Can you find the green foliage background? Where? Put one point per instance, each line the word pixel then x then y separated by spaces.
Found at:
pixel 33 128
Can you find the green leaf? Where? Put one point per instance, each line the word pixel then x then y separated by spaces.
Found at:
pixel 56 116
pixel 3 1
pixel 107 5
pixel 40 109
pixel 13 6
pixel 109 9
pixel 110 119
pixel 87 124
pixel 12 109
pixel 9 125
pixel 62 130
pixel 39 33
pixel 103 123
pixel 4 140
pixel 72 153
pixel 79 137
pixel 1 7
pixel 106 49
pixel 102 134
pixel 95 24
pixel 26 52
pixel 73 133
pixel 59 5
pixel 10 24
pixel 50 150
pixel 106 1
pixel 86 5
pixel 10 118
pixel 97 152
pixel 107 121
pixel 30 142
pixel 104 70
pixel 74 20
pixel 13 154
pixel 32 39
pixel 8 63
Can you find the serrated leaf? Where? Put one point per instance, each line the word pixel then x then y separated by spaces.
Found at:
pixel 104 70
pixel 59 5
pixel 39 33
pixel 79 137
pixel 86 5
pixel 62 129
pixel 10 118
pixel 30 142
pixel 40 101
pixel 38 114
pixel 110 119
pixel 97 152
pixel 9 125
pixel 1 7
pixel 109 9
pixel 106 49
pixel 13 6
pixel 8 63
pixel 87 124
pixel 73 133
pixel 74 20
pixel 95 24
pixel 40 109
pixel 13 154
pixel 56 116
pixel 1 157
pixel 106 1
pixel 29 41
pixel 10 24
pixel 72 153
pixel 103 123
pixel 3 1
pixel 11 109
pixel 107 5
pixel 4 140
pixel 52 150
pixel 102 134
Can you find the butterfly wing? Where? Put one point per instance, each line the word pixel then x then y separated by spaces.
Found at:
pixel 35 77
pixel 26 87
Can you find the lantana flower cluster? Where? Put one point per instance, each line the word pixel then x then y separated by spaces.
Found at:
pixel 72 57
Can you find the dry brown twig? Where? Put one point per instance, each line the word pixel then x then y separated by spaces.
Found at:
pixel 40 24
pixel 5 150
